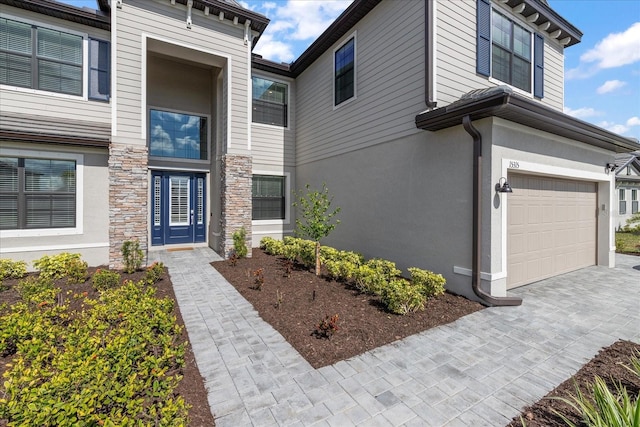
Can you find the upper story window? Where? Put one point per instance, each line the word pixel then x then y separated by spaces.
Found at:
pixel 508 51
pixel 270 100
pixel 511 53
pixel 344 72
pixel 177 135
pixel 37 193
pixel 46 59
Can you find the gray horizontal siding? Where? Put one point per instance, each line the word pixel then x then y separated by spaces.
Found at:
pixel 389 87
pixel 166 22
pixel 63 107
pixel 456 55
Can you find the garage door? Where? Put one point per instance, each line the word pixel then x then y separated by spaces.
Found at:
pixel 551 227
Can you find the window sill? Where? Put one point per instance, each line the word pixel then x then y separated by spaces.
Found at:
pixel 270 126
pixel 44 93
pixel 40 232
pixel 285 221
pixel 515 89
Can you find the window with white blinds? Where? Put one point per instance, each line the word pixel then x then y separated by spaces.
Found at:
pixel 36 57
pixel 37 193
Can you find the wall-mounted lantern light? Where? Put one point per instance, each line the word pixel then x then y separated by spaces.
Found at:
pixel 503 186
pixel 611 167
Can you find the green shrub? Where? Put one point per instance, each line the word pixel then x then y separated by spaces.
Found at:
pixel 272 246
pixel 386 268
pixel 132 256
pixel 62 265
pixel 117 363
pixel 341 270
pixel 431 284
pixel 10 269
pixel 105 279
pixel 154 273
pixel 401 297
pixel 369 280
pixel 32 286
pixel 240 243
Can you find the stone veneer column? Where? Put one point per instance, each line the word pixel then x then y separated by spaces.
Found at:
pixel 235 200
pixel 128 195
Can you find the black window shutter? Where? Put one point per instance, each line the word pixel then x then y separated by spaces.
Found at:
pixel 99 69
pixel 538 70
pixel 483 46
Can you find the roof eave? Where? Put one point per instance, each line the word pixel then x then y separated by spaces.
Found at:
pixel 528 113
pixel 92 18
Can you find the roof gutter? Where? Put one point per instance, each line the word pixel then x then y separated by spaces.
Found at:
pixel 477 222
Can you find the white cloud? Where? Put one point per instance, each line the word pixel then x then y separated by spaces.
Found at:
pixel 295 21
pixel 582 113
pixel 614 127
pixel 610 86
pixel 274 50
pixel 615 50
pixel 633 121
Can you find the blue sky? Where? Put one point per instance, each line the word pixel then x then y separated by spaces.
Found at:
pixel 602 73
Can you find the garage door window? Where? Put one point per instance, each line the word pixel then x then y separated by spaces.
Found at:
pixel 623 202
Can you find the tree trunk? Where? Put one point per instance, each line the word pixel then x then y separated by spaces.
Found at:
pixel 317 258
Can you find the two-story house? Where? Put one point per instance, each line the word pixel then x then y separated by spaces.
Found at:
pixel 152 119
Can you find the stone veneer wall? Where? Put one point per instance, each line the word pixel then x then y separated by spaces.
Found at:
pixel 235 200
pixel 128 195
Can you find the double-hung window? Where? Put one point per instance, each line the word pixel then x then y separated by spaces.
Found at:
pixel 270 100
pixel 47 59
pixel 622 201
pixel 268 197
pixel 344 72
pixel 37 193
pixel 634 201
pixel 509 52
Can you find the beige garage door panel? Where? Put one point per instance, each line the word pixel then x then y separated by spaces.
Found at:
pixel 551 227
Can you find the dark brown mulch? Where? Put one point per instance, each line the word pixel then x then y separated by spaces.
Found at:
pixel 191 387
pixel 608 364
pixel 306 300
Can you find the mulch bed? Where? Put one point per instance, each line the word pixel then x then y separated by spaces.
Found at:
pixel 608 364
pixel 295 305
pixel 191 388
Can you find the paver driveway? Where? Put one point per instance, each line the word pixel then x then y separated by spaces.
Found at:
pixel 480 370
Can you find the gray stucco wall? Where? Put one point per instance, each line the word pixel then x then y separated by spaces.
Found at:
pixel 407 200
pixel 92 242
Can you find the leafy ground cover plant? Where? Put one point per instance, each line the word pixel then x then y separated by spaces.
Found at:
pixel 10 269
pixel 115 363
pixel 105 279
pixel 61 265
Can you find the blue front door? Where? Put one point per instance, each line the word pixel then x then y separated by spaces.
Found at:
pixel 178 208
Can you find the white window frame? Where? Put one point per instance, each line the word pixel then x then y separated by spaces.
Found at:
pixel 85 61
pixel 622 201
pixel 37 232
pixel 516 20
pixel 634 201
pixel 287 199
pixel 344 41
pixel 264 76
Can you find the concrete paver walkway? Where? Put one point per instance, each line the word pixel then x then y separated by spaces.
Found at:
pixel 480 370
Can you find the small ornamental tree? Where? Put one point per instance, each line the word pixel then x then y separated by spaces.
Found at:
pixel 315 219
